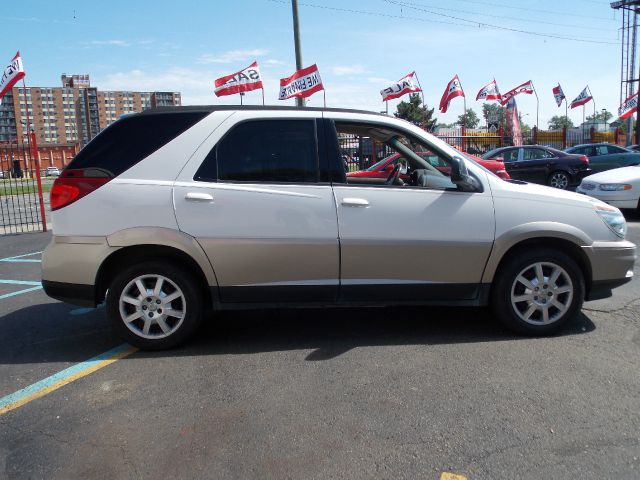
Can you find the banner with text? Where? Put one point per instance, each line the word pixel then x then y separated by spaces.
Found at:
pixel 245 80
pixel 526 87
pixel 303 83
pixel 628 107
pixel 489 92
pixel 11 75
pixel 401 87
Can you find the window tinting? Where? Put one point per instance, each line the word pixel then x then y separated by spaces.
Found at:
pixel 265 151
pixel 131 139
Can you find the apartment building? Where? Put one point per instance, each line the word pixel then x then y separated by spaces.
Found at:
pixel 73 113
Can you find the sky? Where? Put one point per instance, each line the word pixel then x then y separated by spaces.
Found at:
pixel 360 47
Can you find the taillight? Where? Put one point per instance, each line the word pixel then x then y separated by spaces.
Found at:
pixel 584 159
pixel 72 185
pixel 503 174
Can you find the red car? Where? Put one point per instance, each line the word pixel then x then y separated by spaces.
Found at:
pixel 383 168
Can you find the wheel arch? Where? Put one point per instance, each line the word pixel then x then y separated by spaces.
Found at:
pixel 569 240
pixel 143 244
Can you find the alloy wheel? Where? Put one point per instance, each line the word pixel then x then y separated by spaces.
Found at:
pixel 542 293
pixel 559 180
pixel 152 306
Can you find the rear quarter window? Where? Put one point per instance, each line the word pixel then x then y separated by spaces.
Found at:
pixel 131 139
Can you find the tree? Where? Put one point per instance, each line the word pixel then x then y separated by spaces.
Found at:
pixel 413 111
pixel 558 122
pixel 492 110
pixel 600 117
pixel 472 119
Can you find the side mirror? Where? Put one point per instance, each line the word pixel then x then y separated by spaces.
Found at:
pixel 460 176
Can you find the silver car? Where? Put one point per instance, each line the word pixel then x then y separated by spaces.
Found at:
pixel 179 210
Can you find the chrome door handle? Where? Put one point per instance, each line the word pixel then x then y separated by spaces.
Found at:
pixel 198 197
pixel 354 202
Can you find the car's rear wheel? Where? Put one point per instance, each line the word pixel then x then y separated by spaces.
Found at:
pixel 154 305
pixel 558 180
pixel 537 292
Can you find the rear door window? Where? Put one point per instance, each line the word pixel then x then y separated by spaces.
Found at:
pixel 264 151
pixel 510 155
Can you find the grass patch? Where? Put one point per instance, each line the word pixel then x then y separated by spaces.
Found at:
pixel 20 188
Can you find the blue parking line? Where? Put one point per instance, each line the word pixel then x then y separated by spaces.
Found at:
pixel 19 282
pixel 20 292
pixel 20 258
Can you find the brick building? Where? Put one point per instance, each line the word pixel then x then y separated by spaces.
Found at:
pixel 72 114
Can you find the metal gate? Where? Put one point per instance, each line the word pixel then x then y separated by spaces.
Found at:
pixel 22 207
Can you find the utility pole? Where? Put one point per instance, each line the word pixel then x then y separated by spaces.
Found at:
pixel 296 40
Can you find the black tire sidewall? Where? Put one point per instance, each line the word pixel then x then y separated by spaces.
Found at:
pixel 501 290
pixel 176 274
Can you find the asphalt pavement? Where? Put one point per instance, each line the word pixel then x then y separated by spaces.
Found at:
pixel 346 393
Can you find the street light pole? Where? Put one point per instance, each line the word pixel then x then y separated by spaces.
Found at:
pixel 296 40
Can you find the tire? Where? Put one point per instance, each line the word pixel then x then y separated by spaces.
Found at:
pixel 559 180
pixel 156 320
pixel 521 308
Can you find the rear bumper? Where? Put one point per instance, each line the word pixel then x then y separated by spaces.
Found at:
pixel 73 293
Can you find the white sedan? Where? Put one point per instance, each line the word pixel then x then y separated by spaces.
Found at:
pixel 619 187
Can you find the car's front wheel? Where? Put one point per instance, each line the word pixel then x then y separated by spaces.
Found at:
pixel 558 180
pixel 154 305
pixel 536 292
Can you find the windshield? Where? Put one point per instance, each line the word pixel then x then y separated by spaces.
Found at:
pixel 376 165
pixel 491 153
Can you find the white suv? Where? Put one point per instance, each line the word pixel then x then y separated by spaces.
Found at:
pixel 179 210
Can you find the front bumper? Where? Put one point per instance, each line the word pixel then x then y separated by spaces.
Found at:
pixel 619 199
pixel 611 266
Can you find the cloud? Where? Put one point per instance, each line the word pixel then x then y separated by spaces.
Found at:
pixel 348 70
pixel 231 56
pixel 114 42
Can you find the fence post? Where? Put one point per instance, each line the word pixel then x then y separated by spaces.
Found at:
pixel 616 136
pixel 500 137
pixel 36 158
pixel 564 137
pixel 592 135
pixel 535 135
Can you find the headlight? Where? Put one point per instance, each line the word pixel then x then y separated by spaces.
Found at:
pixel 613 218
pixel 614 187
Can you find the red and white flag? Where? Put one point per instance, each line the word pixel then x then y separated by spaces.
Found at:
pixel 453 90
pixel 584 97
pixel 303 83
pixel 628 107
pixel 489 92
pixel 526 87
pixel 513 122
pixel 245 80
pixel 401 87
pixel 11 75
pixel 558 94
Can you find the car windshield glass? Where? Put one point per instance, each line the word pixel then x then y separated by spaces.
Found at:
pixel 491 153
pixel 377 165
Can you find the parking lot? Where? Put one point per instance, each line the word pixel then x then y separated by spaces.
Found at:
pixel 347 393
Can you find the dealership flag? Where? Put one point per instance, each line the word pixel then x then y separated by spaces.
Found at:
pixel 513 122
pixel 453 90
pixel 584 97
pixel 558 94
pixel 401 87
pixel 11 75
pixel 489 92
pixel 526 87
pixel 303 83
pixel 245 80
pixel 628 107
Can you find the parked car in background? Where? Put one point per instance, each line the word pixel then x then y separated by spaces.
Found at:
pixel 381 170
pixel 605 156
pixel 52 172
pixel 635 148
pixel 619 187
pixel 544 165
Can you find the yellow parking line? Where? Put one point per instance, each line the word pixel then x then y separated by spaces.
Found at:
pixel 60 379
pixel 451 476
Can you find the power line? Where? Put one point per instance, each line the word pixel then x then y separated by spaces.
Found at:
pixel 500 27
pixel 552 12
pixel 520 19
